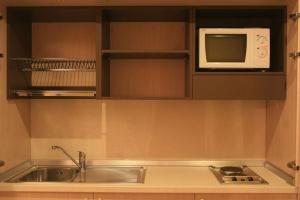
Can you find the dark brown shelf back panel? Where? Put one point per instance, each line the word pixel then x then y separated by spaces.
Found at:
pixel 239 86
pixel 147 35
pixel 132 78
pixel 57 14
pixel 146 14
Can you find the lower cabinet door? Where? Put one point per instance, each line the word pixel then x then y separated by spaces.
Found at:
pixel 45 196
pixel 246 197
pixel 142 196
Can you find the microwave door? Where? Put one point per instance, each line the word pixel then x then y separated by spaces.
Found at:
pixel 224 50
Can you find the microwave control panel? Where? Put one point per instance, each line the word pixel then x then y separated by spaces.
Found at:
pixel 262 48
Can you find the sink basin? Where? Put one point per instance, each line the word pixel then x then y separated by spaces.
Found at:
pixel 93 174
pixel 47 174
pixel 113 175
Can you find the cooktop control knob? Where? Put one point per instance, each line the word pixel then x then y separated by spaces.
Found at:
pixel 233 178
pixel 250 179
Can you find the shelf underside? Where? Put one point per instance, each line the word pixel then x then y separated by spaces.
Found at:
pixel 55 93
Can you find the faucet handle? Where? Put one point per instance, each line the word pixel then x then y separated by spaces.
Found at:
pixel 82 160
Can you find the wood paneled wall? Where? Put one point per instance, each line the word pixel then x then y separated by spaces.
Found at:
pixel 149 129
pixel 14 115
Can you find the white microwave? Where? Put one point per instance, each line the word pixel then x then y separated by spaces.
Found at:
pixel 234 48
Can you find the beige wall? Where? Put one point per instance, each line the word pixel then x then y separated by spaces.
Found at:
pixel 149 129
pixel 14 117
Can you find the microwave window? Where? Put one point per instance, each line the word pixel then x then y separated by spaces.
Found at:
pixel 225 47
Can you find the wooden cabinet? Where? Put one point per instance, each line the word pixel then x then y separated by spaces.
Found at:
pixel 135 53
pixel 142 196
pixel 44 196
pixel 246 83
pixel 246 197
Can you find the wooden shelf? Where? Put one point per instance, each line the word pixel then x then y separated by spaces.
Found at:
pixel 146 53
pixel 230 86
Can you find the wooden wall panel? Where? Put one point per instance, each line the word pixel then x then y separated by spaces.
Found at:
pixel 14 115
pixel 282 115
pixel 149 130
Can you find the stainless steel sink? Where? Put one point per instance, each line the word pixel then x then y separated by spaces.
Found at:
pixel 113 175
pixel 93 174
pixel 47 174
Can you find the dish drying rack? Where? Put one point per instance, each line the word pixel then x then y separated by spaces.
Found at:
pixel 57 77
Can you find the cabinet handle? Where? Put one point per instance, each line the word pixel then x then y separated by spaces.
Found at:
pixel 295 16
pixel 295 54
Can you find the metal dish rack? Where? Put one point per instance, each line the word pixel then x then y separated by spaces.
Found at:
pixel 57 77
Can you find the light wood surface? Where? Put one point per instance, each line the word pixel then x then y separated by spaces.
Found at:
pixel 14 115
pixel 282 115
pixel 246 197
pixel 122 196
pixel 45 196
pixel 149 129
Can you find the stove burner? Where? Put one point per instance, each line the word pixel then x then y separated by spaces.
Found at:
pixel 237 175
pixel 231 171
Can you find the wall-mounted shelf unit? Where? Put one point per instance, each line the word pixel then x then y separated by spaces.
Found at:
pixel 146 53
pixel 52 52
pixel 251 84
pixel 135 53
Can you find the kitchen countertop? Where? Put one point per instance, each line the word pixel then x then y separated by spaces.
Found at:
pixel 165 179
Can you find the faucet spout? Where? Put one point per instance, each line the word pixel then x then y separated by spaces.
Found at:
pixel 82 158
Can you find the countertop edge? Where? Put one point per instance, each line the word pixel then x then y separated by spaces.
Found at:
pixel 96 188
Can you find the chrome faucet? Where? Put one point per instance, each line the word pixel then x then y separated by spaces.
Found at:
pixel 1 163
pixel 82 158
